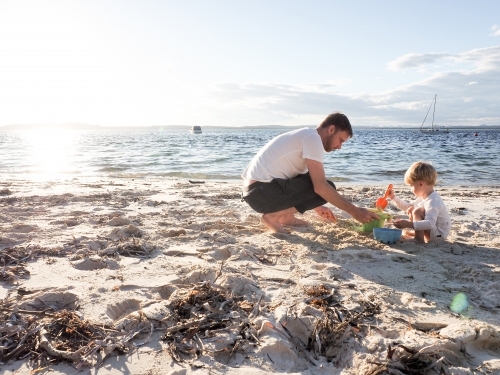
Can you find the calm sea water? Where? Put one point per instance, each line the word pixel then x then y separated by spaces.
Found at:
pixel 372 156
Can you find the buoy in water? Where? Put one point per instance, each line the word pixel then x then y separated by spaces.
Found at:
pixel 475 134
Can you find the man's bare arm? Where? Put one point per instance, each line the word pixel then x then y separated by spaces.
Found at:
pixel 328 193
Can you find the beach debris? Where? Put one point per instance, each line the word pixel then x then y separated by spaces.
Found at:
pixel 13 260
pixel 135 249
pixel 337 324
pixel 401 359
pixel 124 233
pixel 12 274
pixel 317 290
pixel 47 330
pixel 5 192
pixel 207 318
pixel 173 232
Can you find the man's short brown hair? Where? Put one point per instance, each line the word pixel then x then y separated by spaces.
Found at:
pixel 339 120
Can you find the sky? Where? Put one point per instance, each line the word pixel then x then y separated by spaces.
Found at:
pixel 249 63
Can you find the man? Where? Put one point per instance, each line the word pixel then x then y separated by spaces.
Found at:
pixel 287 176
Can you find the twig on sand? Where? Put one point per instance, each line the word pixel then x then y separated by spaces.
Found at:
pixel 220 271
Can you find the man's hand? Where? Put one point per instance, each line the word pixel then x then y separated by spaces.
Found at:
pixel 363 215
pixel 400 224
pixel 326 213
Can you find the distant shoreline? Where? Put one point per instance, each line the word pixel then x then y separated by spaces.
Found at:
pixel 73 126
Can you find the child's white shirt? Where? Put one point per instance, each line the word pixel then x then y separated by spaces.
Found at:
pixel 437 216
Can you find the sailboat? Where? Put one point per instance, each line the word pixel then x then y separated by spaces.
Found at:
pixel 432 129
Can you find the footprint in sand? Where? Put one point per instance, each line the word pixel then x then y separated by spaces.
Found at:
pixel 53 300
pixel 23 228
pixel 91 264
pixel 123 308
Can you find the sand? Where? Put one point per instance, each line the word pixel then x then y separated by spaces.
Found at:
pixel 181 278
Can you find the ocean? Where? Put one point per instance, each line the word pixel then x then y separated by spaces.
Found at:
pixel 370 157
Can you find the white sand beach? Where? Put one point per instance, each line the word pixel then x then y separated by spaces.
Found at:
pixel 167 276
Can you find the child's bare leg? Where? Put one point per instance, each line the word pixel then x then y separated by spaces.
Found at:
pixel 427 235
pixel 409 211
pixel 420 235
pixel 272 220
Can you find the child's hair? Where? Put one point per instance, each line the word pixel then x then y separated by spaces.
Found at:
pixel 421 171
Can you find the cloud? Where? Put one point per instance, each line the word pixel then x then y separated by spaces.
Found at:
pixel 482 58
pixel 495 30
pixel 461 100
pixel 414 60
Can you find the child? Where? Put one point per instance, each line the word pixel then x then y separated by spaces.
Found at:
pixel 428 214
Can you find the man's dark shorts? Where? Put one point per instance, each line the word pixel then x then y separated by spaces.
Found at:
pixel 280 194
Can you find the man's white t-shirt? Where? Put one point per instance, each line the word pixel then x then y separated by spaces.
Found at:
pixel 437 217
pixel 285 156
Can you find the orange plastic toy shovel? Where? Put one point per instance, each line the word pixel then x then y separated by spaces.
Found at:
pixel 382 201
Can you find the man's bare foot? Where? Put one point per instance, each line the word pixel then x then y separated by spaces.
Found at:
pixel 292 221
pixel 273 223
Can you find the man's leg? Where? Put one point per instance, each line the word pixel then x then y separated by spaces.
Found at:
pixel 276 220
pixel 280 199
pixel 291 220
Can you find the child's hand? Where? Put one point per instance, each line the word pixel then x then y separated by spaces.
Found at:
pixel 391 193
pixel 401 224
pixel 409 210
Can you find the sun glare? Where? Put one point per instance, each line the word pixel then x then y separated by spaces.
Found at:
pixel 49 154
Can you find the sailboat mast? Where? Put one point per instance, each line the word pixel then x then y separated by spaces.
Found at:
pixel 432 126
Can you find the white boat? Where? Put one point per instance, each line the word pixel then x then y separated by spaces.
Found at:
pixel 195 129
pixel 432 129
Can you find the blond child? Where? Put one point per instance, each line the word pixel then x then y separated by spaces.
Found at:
pixel 429 216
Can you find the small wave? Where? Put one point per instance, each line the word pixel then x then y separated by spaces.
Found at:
pixel 339 179
pixel 185 175
pixel 112 169
pixel 389 173
pixel 202 176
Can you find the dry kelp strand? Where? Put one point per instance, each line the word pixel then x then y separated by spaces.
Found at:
pixel 337 324
pixel 204 312
pixel 47 338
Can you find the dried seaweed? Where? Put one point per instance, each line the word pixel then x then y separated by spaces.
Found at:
pixel 19 254
pixel 317 290
pixel 200 297
pixel 13 260
pixel 62 336
pixel 202 311
pixel 134 249
pixel 13 273
pixel 337 324
pixel 402 360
